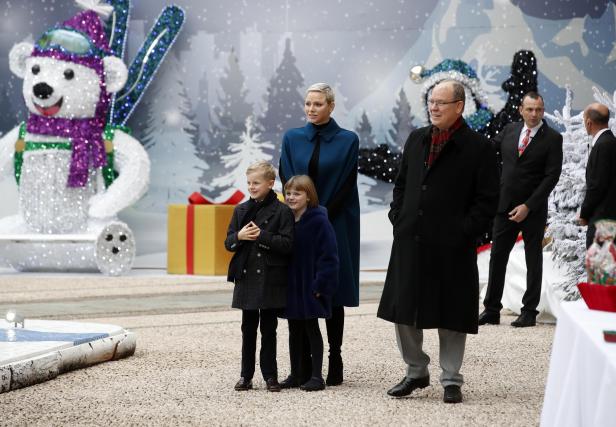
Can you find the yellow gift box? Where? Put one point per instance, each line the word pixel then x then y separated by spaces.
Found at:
pixel 196 239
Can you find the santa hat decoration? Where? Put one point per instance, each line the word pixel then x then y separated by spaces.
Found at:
pixel 460 71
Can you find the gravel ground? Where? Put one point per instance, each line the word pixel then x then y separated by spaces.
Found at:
pixel 186 365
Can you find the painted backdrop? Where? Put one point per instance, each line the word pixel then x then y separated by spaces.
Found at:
pixel 235 79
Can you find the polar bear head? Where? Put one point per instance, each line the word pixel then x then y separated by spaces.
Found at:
pixel 63 86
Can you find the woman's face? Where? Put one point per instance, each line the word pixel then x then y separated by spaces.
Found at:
pixel 317 109
pixel 297 200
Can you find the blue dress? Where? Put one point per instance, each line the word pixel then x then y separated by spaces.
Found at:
pixel 337 189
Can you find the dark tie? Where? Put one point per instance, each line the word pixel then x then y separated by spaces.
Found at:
pixel 313 165
pixel 524 142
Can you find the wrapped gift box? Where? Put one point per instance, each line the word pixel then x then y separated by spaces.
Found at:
pixel 196 239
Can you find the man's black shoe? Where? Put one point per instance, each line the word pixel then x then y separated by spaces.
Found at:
pixel 452 394
pixel 489 318
pixel 243 384
pixel 407 385
pixel 524 320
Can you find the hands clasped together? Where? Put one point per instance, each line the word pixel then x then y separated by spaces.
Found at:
pixel 250 231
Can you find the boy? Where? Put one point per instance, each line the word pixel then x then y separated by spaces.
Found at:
pixel 261 235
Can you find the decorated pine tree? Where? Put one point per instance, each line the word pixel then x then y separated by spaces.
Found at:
pixel 242 153
pixel 402 123
pixel 609 102
pixel 284 99
pixel 170 141
pixel 568 238
pixel 364 131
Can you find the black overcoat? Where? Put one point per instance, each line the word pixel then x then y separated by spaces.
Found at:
pixel 437 215
pixel 264 283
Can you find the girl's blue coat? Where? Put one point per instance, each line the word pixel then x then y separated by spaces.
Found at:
pixel 337 160
pixel 314 267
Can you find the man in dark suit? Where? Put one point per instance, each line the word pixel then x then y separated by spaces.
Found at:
pixel 531 154
pixel 600 199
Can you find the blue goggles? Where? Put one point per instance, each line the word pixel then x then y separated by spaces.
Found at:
pixel 69 41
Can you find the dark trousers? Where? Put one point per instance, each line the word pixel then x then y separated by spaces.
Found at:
pixel 299 330
pixel 335 331
pixel 267 356
pixel 504 237
pixel 590 234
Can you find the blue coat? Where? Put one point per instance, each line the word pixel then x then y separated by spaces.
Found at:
pixel 337 189
pixel 313 268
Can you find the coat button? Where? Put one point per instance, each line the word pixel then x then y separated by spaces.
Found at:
pixel 258 271
pixel 258 253
pixel 265 221
pixel 420 212
pixel 417 238
pixel 424 187
pixel 244 270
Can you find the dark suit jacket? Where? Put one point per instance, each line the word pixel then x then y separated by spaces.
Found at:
pixel 600 199
pixel 530 178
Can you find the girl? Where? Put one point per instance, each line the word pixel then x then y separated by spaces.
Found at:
pixel 313 279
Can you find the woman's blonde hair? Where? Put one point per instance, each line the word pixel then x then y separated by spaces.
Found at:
pixel 264 167
pixel 325 89
pixel 303 183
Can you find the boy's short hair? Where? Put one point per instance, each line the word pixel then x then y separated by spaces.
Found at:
pixel 264 167
pixel 303 183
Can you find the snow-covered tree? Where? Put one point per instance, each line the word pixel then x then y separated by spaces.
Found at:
pixel 364 131
pixel 230 115
pixel 609 102
pixel 568 238
pixel 242 154
pixel 170 137
pixel 285 100
pixel 364 186
pixel 402 123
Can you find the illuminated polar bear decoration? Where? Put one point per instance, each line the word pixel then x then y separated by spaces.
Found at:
pixel 74 172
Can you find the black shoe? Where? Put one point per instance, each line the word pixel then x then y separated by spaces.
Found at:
pixel 313 384
pixel 489 318
pixel 406 386
pixel 334 372
pixel 452 394
pixel 243 384
pixel 289 382
pixel 272 384
pixel 524 320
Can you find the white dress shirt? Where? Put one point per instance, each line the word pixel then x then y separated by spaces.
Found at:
pixel 533 132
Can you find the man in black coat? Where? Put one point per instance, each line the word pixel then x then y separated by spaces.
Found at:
pixel 443 199
pixel 532 156
pixel 600 199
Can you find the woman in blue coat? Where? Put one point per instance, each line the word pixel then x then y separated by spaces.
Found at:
pixel 313 279
pixel 328 154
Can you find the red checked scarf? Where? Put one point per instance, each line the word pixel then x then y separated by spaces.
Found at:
pixel 439 139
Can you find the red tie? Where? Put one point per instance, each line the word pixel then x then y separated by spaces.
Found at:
pixel 524 142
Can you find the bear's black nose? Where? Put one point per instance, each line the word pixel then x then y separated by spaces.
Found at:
pixel 42 90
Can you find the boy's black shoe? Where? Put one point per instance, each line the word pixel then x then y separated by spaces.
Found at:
pixel 289 382
pixel 313 384
pixel 243 384
pixel 272 384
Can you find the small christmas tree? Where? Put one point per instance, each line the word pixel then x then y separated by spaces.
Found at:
pixel 402 122
pixel 364 131
pixel 242 154
pixel 568 238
